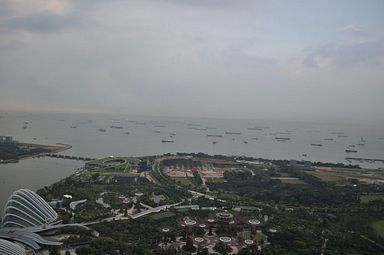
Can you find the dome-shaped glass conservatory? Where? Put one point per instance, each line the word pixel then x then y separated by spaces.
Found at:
pixel 25 209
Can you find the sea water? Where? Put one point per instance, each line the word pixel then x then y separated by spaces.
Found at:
pixel 140 136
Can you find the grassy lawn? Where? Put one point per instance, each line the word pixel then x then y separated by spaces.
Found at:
pixel 260 236
pixel 183 181
pixel 292 181
pixel 215 180
pixel 368 198
pixel 327 177
pixel 248 235
pixel 378 226
pixel 245 234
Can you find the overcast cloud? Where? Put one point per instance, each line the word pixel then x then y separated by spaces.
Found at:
pixel 209 58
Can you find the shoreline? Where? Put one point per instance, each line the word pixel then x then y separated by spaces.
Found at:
pixel 59 147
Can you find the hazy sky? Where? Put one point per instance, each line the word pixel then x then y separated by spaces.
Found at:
pixel 214 58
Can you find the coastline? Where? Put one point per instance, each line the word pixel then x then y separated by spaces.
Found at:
pixel 59 147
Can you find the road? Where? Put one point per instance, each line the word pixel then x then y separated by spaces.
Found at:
pixel 149 209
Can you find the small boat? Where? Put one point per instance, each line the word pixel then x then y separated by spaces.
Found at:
pixel 157 131
pixel 214 142
pixel 317 144
pixel 167 141
pixel 118 127
pixel 172 133
pixel 361 144
pixel 25 126
pixel 352 146
pixel 127 133
pixel 245 142
pixel 304 155
pixel 350 151
pixel 102 130
pixel 342 136
pixel 328 139
pixel 255 138
pixel 73 126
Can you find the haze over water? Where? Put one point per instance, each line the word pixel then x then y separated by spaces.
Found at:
pixel 81 131
pixel 307 71
pixel 190 135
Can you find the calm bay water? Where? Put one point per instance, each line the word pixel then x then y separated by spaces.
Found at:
pixel 189 135
pixel 33 174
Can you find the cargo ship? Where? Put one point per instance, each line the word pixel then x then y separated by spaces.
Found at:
pixel 350 151
pixel 167 141
pixel 282 139
pixel 214 135
pixel 232 133
pixel 317 144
